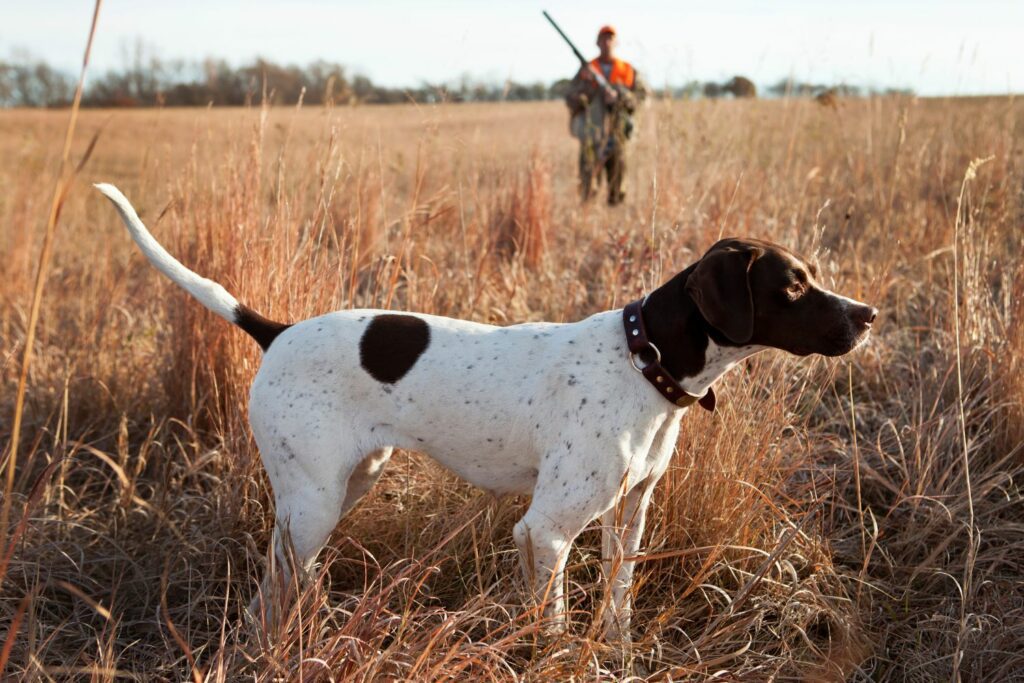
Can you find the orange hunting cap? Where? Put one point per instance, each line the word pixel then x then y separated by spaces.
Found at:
pixel 607 29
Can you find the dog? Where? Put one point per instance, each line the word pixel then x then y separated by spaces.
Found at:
pixel 582 416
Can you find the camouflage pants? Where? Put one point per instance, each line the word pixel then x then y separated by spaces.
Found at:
pixel 591 165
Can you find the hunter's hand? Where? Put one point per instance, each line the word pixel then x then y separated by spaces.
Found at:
pixel 610 96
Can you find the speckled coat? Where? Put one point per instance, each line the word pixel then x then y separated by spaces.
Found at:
pixel 555 411
pixel 551 410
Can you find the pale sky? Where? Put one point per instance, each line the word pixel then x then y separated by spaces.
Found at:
pixel 936 47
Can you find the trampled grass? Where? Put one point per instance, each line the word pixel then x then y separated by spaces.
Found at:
pixel 816 527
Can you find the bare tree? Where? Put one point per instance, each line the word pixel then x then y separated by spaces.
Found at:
pixel 26 81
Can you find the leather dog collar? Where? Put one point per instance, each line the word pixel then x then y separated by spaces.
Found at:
pixel 656 374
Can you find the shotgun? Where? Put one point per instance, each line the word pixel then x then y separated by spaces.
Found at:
pixel 598 76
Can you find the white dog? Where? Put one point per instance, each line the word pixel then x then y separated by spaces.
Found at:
pixel 557 411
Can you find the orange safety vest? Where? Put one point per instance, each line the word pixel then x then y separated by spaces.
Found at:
pixel 622 72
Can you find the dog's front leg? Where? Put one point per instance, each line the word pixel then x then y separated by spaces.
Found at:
pixel 621 529
pixel 544 537
pixel 542 556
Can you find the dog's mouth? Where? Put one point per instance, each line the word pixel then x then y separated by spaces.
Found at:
pixel 838 342
pixel 842 344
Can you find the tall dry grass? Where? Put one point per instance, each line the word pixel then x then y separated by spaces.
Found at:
pixel 818 526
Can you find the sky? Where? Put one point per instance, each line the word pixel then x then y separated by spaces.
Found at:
pixel 936 47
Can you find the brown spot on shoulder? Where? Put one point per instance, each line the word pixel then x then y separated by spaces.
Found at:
pixel 391 345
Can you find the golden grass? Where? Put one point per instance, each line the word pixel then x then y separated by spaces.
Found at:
pixel 816 527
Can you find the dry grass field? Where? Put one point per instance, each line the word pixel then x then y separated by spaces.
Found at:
pixel 855 519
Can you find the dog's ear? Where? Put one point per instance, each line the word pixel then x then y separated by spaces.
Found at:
pixel 720 286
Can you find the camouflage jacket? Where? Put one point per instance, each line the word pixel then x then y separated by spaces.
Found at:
pixel 591 119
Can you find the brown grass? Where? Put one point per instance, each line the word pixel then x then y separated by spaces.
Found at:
pixel 816 527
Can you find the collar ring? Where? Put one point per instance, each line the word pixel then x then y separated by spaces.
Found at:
pixel 633 355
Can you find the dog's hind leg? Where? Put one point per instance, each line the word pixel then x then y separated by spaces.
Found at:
pixel 306 513
pixel 309 502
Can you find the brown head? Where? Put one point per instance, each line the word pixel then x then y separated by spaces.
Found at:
pixel 752 292
pixel 606 43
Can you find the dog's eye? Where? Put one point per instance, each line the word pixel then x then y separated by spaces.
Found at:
pixel 795 290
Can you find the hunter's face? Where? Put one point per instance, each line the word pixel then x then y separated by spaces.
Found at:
pixel 606 41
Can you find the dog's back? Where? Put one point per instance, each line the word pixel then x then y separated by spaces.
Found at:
pixel 484 401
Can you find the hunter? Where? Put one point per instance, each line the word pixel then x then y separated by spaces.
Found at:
pixel 602 118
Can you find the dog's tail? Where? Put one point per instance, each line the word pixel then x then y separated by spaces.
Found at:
pixel 208 292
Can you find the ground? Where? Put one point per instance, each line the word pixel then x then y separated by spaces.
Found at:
pixel 858 518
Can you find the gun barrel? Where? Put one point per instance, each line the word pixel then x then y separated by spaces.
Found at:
pixel 601 80
pixel 564 37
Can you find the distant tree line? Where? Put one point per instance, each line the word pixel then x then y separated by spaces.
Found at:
pixel 740 86
pixel 148 81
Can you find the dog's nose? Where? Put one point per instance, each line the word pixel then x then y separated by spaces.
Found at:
pixel 864 315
